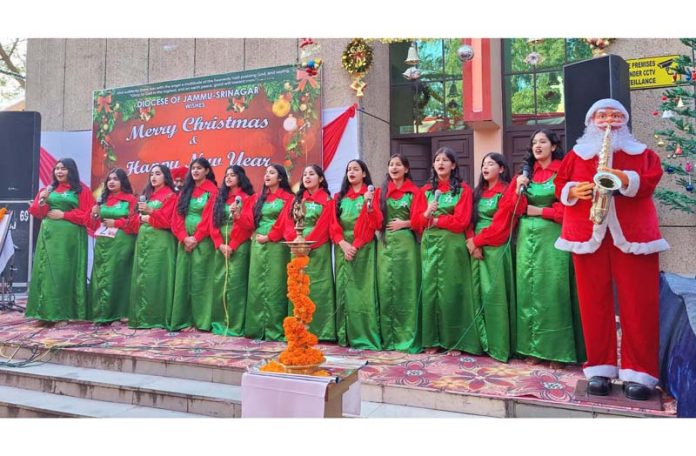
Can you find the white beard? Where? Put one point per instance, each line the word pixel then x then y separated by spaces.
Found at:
pixel 590 143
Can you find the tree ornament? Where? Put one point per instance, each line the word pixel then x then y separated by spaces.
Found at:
pixel 688 167
pixel 357 60
pixel 680 103
pixel 290 123
pixel 465 53
pixel 690 188
pixel 655 113
pixel 533 59
pixel 678 151
pixel 660 143
pixel 669 169
pixel 664 97
pixel 281 107
pixel 667 114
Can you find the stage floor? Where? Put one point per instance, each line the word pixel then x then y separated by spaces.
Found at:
pixel 450 373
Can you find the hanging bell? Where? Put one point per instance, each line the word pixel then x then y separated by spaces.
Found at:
pixel 412 57
pixel 680 103
pixel 660 143
pixel 678 151
pixel 667 114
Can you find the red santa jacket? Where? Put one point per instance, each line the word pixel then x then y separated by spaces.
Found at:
pixel 632 217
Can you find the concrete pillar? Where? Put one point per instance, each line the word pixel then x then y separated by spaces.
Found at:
pixel 46 81
pixel 85 72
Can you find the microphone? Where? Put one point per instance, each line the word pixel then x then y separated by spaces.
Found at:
pixel 370 188
pixel 141 199
pixel 437 194
pixel 525 173
pixel 99 203
pixel 42 200
pixel 237 200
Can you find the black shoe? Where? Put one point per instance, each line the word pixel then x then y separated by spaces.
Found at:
pixel 599 386
pixel 636 391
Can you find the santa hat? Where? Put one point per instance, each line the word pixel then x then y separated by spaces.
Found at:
pixel 606 103
pixel 179 173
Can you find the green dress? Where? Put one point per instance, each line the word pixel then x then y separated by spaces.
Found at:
pixel 194 296
pixel 398 281
pixel 58 289
pixel 267 301
pixel 152 283
pixel 494 288
pixel 112 269
pixel 548 322
pixel 357 308
pixel 231 283
pixel 447 290
pixel 320 272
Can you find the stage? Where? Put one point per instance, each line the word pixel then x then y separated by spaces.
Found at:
pixel 448 381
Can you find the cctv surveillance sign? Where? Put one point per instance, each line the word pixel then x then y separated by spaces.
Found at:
pixel 652 72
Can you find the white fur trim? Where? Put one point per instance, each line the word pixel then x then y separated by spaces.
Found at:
pixel 591 246
pixel 602 370
pixel 629 375
pixel 635 248
pixel 564 194
pixel 606 103
pixel 633 184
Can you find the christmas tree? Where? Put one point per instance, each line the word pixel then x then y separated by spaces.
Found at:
pixel 679 137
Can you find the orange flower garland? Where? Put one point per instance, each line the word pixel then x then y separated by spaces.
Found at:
pixel 300 351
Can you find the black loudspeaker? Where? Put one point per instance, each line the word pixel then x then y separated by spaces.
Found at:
pixel 588 81
pixel 20 140
pixel 24 234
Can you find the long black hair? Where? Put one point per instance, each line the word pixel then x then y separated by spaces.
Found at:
pixel 73 175
pixel 189 184
pixel 322 183
pixel 284 183
pixel 168 181
pixel 122 178
pixel 345 185
pixel 455 181
pixel 387 179
pixel 553 139
pixel 483 183
pixel 243 182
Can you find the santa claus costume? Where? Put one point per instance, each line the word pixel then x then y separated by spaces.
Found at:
pixel 622 250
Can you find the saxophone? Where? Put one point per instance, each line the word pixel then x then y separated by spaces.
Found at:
pixel 605 183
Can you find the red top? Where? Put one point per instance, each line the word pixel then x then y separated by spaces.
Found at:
pixel 79 216
pixel 320 232
pixel 456 223
pixel 128 224
pixel 203 227
pixel 498 232
pixel 406 187
pixel 243 228
pixel 555 212
pixel 366 224
pixel 161 218
pixel 278 230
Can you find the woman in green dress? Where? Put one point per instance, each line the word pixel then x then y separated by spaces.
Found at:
pixel 398 261
pixel 548 320
pixel 115 222
pixel 355 220
pixel 194 297
pixel 231 229
pixel 442 215
pixel 267 301
pixel 154 260
pixel 58 289
pixel 491 267
pixel 314 194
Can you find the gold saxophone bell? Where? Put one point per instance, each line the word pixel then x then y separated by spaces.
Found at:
pixel 605 183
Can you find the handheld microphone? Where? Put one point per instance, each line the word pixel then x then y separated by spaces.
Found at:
pixel 99 203
pixel 42 200
pixel 370 188
pixel 437 194
pixel 237 200
pixel 141 199
pixel 525 173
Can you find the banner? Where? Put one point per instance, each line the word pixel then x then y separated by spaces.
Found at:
pixel 251 118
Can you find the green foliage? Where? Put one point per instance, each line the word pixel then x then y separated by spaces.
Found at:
pixel 679 136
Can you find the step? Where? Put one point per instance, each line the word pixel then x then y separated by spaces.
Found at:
pixel 174 394
pixel 123 362
pixel 20 403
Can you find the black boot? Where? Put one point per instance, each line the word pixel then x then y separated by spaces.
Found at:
pixel 636 391
pixel 599 386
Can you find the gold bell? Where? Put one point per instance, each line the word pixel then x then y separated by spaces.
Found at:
pixel 412 57
pixel 660 143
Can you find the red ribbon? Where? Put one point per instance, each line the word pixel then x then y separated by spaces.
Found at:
pixel 103 103
pixel 303 77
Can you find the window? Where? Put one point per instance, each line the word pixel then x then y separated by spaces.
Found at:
pixel 434 102
pixel 533 78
